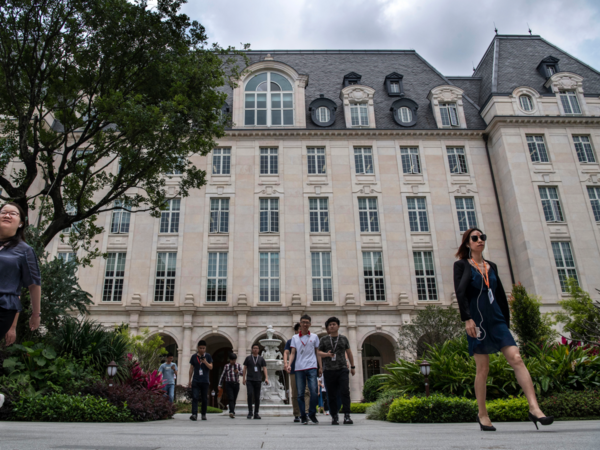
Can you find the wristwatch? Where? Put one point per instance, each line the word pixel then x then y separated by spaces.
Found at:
pixel 353 367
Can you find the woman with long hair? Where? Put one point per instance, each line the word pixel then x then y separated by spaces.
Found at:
pixel 484 309
pixel 18 268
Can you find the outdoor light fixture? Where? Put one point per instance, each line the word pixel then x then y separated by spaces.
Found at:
pixel 425 370
pixel 213 398
pixel 111 371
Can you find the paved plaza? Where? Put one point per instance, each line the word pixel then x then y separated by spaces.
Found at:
pixel 222 433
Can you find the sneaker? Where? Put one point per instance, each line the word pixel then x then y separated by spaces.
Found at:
pixel 313 418
pixel 334 420
pixel 347 419
pixel 326 413
pixel 232 415
pixel 194 417
pixel 296 419
pixel 256 416
pixel 304 420
pixel 203 416
pixel 249 416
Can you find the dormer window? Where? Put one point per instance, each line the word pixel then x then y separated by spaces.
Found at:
pixel 569 102
pixel 551 70
pixel 322 111
pixel 351 79
pixel 393 85
pixel 548 66
pixel 449 115
pixel 447 105
pixel 404 112
pixel 360 115
pixel 358 106
pixel 269 100
pixel 568 88
pixel 323 114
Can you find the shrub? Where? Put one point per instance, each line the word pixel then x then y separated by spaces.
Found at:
pixel 358 408
pixel 572 404
pixel 512 409
pixel 372 389
pixel 186 408
pixel 433 409
pixel 379 410
pixel 69 408
pixel 147 351
pixel 580 315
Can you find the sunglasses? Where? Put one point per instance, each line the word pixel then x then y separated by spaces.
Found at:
pixel 475 238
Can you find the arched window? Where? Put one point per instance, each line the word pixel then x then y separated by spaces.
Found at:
pixel 405 114
pixel 526 102
pixel 269 100
pixel 323 114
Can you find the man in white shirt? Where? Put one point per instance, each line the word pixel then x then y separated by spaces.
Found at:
pixel 308 367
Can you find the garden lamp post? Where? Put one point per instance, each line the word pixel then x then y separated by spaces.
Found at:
pixel 111 370
pixel 213 398
pixel 425 370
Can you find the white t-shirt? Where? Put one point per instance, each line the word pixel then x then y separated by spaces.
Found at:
pixel 305 346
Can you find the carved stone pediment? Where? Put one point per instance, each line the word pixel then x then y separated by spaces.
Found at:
pixel 565 81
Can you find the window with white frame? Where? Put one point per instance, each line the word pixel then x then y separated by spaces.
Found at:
pixel 449 115
pixel 585 152
pixel 66 256
pixel 316 161
pixel 269 277
pixel 551 204
pixel 537 149
pixel 269 161
pixel 269 100
pixel 166 269
pixel 169 216
pixel 321 277
pixel 570 102
pixel 269 215
pixel 373 275
pixel 457 160
pixel 404 114
pixel 121 218
pixel 417 214
pixel 113 277
pixel 368 215
pixel 363 160
pixel 216 284
pixel 465 209
pixel 221 161
pixel 319 215
pixel 219 215
pixel 395 87
pixel 323 114
pixel 410 160
pixel 565 264
pixel 425 275
pixel 359 114
pixel 526 102
pixel 594 193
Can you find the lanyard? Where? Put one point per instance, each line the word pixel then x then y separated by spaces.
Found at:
pixel 303 341
pixel 199 361
pixel 336 343
pixel 485 276
pixel 255 360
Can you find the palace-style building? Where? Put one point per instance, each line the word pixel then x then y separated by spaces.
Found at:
pixel 343 189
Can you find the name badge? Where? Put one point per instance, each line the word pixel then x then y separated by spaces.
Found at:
pixel 200 372
pixel 255 369
pixel 302 352
pixel 491 296
pixel 333 357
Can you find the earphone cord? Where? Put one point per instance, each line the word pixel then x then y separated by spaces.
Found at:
pixel 481 315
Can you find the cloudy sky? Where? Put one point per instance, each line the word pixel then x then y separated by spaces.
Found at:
pixel 451 35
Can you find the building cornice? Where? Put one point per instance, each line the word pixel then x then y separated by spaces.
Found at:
pixel 498 121
pixel 364 132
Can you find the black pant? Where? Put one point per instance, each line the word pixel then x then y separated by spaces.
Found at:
pixel 7 317
pixel 253 390
pixel 199 392
pixel 232 389
pixel 338 382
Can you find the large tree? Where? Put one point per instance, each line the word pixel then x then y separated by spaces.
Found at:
pixel 87 83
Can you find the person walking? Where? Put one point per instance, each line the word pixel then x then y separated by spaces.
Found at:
pixel 169 372
pixel 304 352
pixel 484 309
pixel 293 389
pixel 231 378
pixel 200 365
pixel 19 269
pixel 333 351
pixel 254 366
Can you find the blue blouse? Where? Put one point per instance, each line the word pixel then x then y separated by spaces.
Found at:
pixel 18 269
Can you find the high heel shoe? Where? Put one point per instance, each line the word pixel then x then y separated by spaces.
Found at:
pixel 485 427
pixel 543 420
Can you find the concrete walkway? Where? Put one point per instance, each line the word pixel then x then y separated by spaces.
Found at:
pixel 223 433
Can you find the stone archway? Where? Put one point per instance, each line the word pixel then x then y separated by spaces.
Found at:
pixel 171 346
pixel 377 352
pixel 219 347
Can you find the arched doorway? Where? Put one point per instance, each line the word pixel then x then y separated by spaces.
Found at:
pixel 219 348
pixel 377 352
pixel 170 345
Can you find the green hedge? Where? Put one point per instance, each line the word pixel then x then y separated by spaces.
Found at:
pixel 371 389
pixel 512 409
pixel 379 410
pixel 433 409
pixel 359 408
pixel 572 404
pixel 69 408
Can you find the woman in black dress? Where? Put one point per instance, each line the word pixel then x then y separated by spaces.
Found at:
pixel 484 309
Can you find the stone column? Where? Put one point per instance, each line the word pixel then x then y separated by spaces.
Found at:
pixel 188 309
pixel 242 309
pixel 355 381
pixel 135 309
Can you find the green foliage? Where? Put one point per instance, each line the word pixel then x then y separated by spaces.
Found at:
pixel 186 408
pixel 147 351
pixel 580 315
pixel 372 389
pixel 379 410
pixel 358 408
pixel 512 409
pixel 572 404
pixel 433 409
pixel 432 325
pixel 69 408
pixel 527 321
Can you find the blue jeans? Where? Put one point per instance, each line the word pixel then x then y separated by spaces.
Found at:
pixel 304 377
pixel 170 390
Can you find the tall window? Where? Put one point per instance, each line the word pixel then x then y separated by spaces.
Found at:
pixel 425 274
pixel 457 159
pixel 268 161
pixel 269 215
pixel 323 114
pixel 359 113
pixel 585 152
pixel 404 114
pixel 594 193
pixel 113 277
pixel 66 256
pixel 216 287
pixel 221 161
pixel 417 214
pixel 219 215
pixel 465 209
pixel 569 102
pixel 169 217
pixel 269 100
pixel 373 273
pixel 269 277
pixel 316 160
pixel 164 289
pixel 363 160
pixel 120 218
pixel 319 215
pixel 321 276
pixel 565 264
pixel 367 212
pixel 410 160
pixel 449 114
pixel 526 102
pixel 537 149
pixel 551 204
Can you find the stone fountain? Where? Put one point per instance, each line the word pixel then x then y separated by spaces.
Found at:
pixel 272 395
